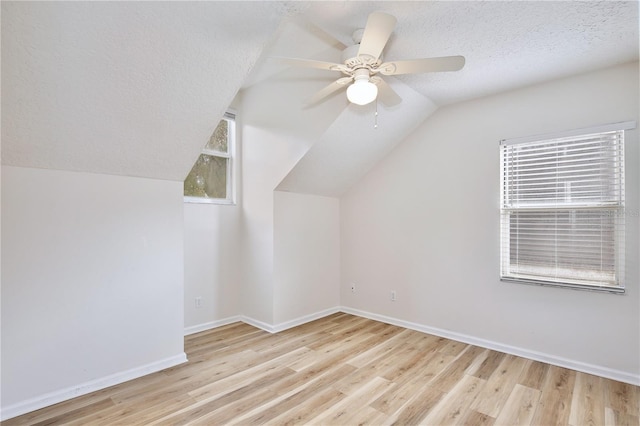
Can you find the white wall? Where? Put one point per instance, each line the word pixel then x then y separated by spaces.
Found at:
pixel 211 263
pixel 425 223
pixel 239 259
pixel 92 273
pixel 269 152
pixel 266 159
pixel 306 255
pixel 229 250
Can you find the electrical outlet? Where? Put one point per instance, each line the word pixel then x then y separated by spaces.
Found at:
pixel 393 296
pixel 353 287
pixel 198 302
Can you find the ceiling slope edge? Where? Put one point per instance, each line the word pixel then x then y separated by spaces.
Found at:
pixel 355 142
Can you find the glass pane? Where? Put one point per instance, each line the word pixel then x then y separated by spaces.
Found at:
pixel 565 171
pixel 573 246
pixel 208 178
pixel 219 138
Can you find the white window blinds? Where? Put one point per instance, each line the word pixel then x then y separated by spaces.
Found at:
pixel 562 210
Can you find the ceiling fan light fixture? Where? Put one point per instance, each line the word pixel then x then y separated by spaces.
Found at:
pixel 362 91
pixel 363 65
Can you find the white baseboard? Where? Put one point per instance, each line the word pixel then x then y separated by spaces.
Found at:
pixel 209 325
pixel 621 376
pixel 257 323
pixel 114 379
pixel 304 319
pixel 288 324
pixel 88 387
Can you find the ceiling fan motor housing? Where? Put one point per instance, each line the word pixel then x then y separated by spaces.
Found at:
pixel 351 59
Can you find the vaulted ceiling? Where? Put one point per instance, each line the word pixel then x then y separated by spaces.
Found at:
pixel 507 45
pixel 136 88
pixel 125 88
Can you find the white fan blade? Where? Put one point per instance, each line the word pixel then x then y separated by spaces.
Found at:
pixel 386 94
pixel 376 34
pixel 310 63
pixel 341 83
pixel 415 66
pixel 315 27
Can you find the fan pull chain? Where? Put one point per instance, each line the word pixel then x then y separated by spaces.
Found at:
pixel 375 116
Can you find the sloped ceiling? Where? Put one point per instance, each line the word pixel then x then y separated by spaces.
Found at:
pixel 355 142
pixel 136 88
pixel 126 88
pixel 507 45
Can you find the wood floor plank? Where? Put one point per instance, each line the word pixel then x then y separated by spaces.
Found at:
pixel 534 374
pixel 235 329
pixel 473 418
pixel 201 409
pixel 420 351
pixel 622 397
pixel 348 327
pixel 84 400
pixel 133 414
pixel 587 405
pixel 455 371
pixel 394 399
pixel 344 369
pixel 297 398
pixel 520 407
pixel 220 347
pixel 341 412
pixel 385 346
pixel 377 367
pixel 186 381
pixel 451 409
pixel 363 415
pixel 554 404
pixel 247 376
pixel 78 413
pixel 314 379
pixel 489 365
pixel 499 386
pixel 617 418
pixel 315 405
pixel 451 347
pixel 478 362
pixel 417 406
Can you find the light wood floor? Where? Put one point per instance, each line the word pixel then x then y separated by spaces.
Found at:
pixel 346 370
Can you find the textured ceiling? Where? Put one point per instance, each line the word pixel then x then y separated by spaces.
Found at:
pixel 507 45
pixel 136 88
pixel 127 88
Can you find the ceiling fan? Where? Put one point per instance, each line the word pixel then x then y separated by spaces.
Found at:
pixel 362 65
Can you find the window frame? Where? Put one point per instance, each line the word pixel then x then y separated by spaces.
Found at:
pixel 505 210
pixel 230 156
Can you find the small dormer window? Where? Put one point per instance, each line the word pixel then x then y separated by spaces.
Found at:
pixel 211 178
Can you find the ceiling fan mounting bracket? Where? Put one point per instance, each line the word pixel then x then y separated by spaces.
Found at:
pixel 362 61
pixel 342 68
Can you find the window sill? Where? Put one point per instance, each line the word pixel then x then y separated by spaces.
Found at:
pixel 584 287
pixel 219 201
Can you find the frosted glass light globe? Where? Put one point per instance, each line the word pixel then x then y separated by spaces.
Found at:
pixel 362 92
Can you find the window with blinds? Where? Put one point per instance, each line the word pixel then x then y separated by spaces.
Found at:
pixel 562 209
